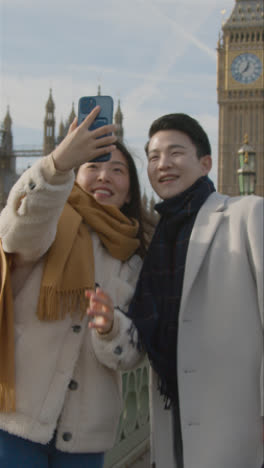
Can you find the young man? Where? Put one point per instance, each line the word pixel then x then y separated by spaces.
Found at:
pixel 198 308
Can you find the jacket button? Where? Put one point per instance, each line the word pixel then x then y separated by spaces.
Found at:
pixel 73 385
pixel 118 350
pixel 31 185
pixel 76 328
pixel 67 436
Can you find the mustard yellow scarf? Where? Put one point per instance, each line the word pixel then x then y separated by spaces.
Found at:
pixel 68 272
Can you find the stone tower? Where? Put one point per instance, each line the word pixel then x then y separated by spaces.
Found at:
pixel 70 119
pixel 240 90
pixel 62 132
pixel 72 115
pixel 7 137
pixel 7 160
pixel 49 126
pixel 119 122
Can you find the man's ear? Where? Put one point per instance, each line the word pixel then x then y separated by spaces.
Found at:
pixel 206 163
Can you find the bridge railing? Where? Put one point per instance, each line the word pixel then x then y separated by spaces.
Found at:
pixel 132 439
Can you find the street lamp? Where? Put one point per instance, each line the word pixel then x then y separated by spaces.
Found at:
pixel 247 170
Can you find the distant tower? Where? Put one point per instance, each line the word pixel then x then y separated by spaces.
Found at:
pixel 7 137
pixel 7 161
pixel 62 132
pixel 49 126
pixel 149 216
pixel 69 120
pixel 99 90
pixel 241 92
pixel 72 115
pixel 119 122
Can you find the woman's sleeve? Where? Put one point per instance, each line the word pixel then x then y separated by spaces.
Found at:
pixel 120 349
pixel 29 220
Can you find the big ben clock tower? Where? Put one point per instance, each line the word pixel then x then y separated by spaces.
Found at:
pixel 241 92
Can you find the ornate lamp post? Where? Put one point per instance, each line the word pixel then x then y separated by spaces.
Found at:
pixel 247 170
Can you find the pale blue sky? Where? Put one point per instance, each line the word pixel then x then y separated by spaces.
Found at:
pixel 156 56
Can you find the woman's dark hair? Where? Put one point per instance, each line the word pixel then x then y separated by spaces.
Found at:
pixel 133 209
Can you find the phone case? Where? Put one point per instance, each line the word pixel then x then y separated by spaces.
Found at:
pixel 105 117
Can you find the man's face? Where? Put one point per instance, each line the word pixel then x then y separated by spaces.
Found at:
pixel 173 165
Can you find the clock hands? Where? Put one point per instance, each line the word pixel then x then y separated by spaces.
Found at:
pixel 247 67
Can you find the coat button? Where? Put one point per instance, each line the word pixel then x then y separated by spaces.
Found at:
pixel 76 328
pixel 31 185
pixel 73 385
pixel 67 436
pixel 118 350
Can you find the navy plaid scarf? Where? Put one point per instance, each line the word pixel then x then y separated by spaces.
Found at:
pixel 155 306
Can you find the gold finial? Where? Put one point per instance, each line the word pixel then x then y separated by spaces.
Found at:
pixel 246 152
pixel 246 157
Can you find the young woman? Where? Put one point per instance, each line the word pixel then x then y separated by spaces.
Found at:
pixel 70 258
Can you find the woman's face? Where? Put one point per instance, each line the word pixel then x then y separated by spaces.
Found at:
pixel 108 182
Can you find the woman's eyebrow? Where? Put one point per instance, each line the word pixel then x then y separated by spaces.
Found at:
pixel 118 162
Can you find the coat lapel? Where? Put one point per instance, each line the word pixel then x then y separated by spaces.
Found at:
pixel 204 228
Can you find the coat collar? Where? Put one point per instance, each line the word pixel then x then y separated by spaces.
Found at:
pixel 204 228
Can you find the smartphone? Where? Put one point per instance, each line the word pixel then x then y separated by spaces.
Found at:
pixel 105 117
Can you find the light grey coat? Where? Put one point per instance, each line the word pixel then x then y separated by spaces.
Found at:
pixel 220 344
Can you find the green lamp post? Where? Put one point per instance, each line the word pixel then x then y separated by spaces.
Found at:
pixel 247 170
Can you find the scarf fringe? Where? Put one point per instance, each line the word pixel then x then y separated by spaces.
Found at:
pixel 134 338
pixel 55 305
pixel 7 399
pixel 165 393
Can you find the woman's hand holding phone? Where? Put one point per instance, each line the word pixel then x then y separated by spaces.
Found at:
pixel 82 145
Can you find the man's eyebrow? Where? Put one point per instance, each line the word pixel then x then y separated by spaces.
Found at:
pixel 169 147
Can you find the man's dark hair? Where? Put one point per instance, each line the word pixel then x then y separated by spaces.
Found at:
pixel 185 124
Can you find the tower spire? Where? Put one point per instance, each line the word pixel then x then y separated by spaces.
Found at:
pixel 119 122
pixel 7 137
pixel 49 126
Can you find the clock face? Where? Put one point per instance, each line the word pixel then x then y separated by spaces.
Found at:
pixel 246 68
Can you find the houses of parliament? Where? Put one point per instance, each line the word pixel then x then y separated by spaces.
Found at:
pixel 240 93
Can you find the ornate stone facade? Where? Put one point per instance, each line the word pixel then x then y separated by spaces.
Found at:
pixel 240 87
